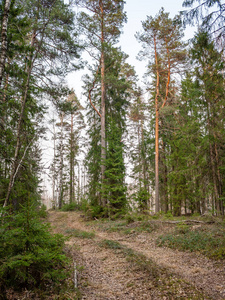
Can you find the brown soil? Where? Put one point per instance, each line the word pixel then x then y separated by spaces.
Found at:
pixel 105 273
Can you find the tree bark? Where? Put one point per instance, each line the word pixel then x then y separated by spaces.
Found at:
pixel 4 38
pixel 61 164
pixel 72 194
pixel 103 141
pixel 156 133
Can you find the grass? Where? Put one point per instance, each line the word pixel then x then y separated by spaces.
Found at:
pixel 208 241
pixel 127 226
pixel 80 233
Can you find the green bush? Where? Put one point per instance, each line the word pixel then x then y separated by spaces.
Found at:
pixel 94 211
pixel 70 207
pixel 30 256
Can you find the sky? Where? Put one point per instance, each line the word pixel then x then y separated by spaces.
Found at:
pixel 137 11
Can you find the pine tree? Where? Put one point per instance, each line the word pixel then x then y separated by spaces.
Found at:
pixel 209 15
pixel 102 28
pixel 117 93
pixel 161 37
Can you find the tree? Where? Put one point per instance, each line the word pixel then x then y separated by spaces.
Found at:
pixel 36 62
pixel 162 38
pixel 212 20
pixel 117 94
pixel 66 135
pixel 4 29
pixel 102 28
pixel 138 153
pixel 210 80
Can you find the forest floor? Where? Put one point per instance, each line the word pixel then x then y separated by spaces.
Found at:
pixel 115 261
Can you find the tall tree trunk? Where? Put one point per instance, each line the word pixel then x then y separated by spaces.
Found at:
pixel 220 181
pixel 61 165
pixel 165 181
pixel 4 38
pixel 71 161
pixel 156 133
pixel 212 160
pixel 103 141
pixel 213 163
pixel 157 202
pixel 54 170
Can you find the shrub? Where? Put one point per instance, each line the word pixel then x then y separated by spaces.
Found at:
pixel 30 256
pixel 211 243
pixel 70 207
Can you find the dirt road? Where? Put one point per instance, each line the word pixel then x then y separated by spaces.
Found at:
pixel 115 265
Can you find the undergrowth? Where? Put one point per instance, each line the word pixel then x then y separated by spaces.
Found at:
pixel 127 226
pixel 70 207
pixel 210 241
pixel 73 232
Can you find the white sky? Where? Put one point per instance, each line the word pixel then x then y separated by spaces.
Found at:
pixel 137 11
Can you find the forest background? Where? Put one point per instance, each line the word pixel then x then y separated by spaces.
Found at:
pixel 155 147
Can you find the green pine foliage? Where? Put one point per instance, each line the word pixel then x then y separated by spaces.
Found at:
pixel 30 256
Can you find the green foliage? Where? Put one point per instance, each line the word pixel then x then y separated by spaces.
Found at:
pixel 70 207
pixel 114 186
pixel 30 256
pixel 182 228
pixel 141 197
pixel 209 242
pixel 42 211
pixel 94 211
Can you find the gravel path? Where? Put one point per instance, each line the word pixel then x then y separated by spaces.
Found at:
pixel 107 274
